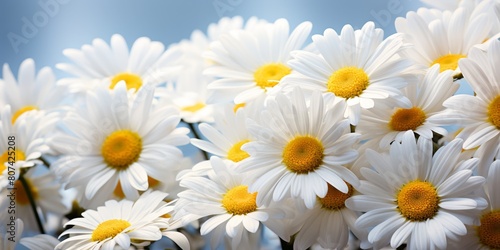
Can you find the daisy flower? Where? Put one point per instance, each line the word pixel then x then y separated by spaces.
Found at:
pixel 29 135
pixel 103 64
pixel 120 224
pixel 443 40
pixel 32 90
pixel 224 196
pixel 113 141
pixel 485 235
pixel 299 149
pixel 388 122
pixel 45 190
pixel 329 223
pixel 478 114
pixel 357 66
pixel 189 93
pixel 250 63
pixel 414 197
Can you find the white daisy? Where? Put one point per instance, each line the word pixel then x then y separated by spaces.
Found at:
pixel 443 40
pixel 11 236
pixel 250 63
pixel 414 197
pixel 146 62
pixel 120 224
pixel 189 93
pixel 329 223
pixel 224 196
pixel 45 190
pixel 479 114
pixel 485 235
pixel 299 149
pixel 389 121
pixel 357 66
pixel 25 141
pixel 31 90
pixel 112 140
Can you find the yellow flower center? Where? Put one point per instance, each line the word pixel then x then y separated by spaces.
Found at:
pixel 109 229
pixel 121 148
pixel 132 81
pixel 406 119
pixel 489 230
pixel 268 75
pixel 239 201
pixel 235 153
pixel 21 195
pixel 238 106
pixel 194 108
pixel 449 61
pixel 418 200
pixel 334 199
pixel 22 111
pixel 494 112
pixel 303 154
pixel 348 82
pixel 4 158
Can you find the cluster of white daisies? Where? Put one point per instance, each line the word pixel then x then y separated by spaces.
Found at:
pixel 339 142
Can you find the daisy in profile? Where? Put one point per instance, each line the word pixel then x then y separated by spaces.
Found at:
pixel 299 149
pixel 31 90
pixel 103 64
pixel 46 192
pixel 112 141
pixel 478 114
pixel 121 224
pixel 224 196
pixel 249 63
pixel 485 235
pixel 443 40
pixel 357 66
pixel 29 138
pixel 415 197
pixel 389 121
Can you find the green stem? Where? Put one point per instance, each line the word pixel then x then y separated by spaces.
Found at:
pixel 27 190
pixel 45 162
pixel 197 136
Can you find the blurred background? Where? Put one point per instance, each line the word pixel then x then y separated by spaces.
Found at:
pixel 41 29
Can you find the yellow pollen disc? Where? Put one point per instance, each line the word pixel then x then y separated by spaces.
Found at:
pixel 418 200
pixel 4 158
pixel 406 119
pixel 268 75
pixel 194 108
pixel 121 148
pixel 334 199
pixel 303 154
pixel 489 230
pixel 494 112
pixel 348 82
pixel 21 196
pixel 449 61
pixel 235 153
pixel 238 106
pixel 239 201
pixel 109 229
pixel 22 111
pixel 132 81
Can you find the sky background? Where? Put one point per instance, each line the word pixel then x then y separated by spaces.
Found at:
pixel 41 29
